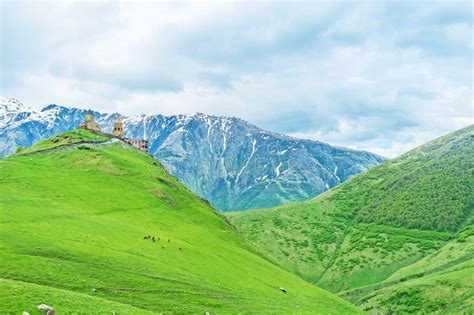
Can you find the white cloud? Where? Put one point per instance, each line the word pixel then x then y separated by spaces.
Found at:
pixel 378 76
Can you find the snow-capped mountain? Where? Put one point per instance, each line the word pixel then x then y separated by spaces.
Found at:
pixel 9 109
pixel 228 161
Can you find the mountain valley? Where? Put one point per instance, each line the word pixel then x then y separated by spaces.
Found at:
pixel 387 239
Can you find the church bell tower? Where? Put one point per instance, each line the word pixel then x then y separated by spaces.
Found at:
pixel 118 128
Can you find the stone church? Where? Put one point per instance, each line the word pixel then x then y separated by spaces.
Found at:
pixel 118 132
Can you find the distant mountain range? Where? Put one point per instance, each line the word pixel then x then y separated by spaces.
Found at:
pixel 227 161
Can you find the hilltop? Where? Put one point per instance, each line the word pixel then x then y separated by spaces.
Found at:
pixel 228 161
pixel 397 238
pixel 77 211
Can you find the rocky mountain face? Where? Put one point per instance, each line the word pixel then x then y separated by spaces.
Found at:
pixel 228 161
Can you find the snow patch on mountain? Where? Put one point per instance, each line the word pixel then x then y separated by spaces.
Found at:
pixel 254 142
pixel 277 170
pixel 205 152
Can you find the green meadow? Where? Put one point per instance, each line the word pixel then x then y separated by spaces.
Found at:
pixel 74 215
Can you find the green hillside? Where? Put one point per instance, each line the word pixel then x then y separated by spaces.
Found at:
pixel 442 280
pixel 74 212
pixel 387 237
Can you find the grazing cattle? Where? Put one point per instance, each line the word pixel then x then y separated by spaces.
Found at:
pixel 153 238
pixel 46 309
pixel 283 290
pixel 145 238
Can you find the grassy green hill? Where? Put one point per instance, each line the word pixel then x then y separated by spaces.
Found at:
pixel 74 211
pixel 443 280
pixel 388 237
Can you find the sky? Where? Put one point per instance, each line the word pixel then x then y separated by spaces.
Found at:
pixel 383 76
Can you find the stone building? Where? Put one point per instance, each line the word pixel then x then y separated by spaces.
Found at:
pixel 90 124
pixel 140 144
pixel 119 132
pixel 118 128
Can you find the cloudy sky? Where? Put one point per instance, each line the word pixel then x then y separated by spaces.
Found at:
pixel 380 76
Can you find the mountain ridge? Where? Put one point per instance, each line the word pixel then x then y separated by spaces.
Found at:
pixel 230 162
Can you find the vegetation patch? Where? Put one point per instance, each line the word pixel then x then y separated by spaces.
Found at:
pixel 408 219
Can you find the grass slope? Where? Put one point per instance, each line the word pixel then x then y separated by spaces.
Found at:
pixel 443 280
pixel 373 227
pixel 73 216
pixel 77 136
